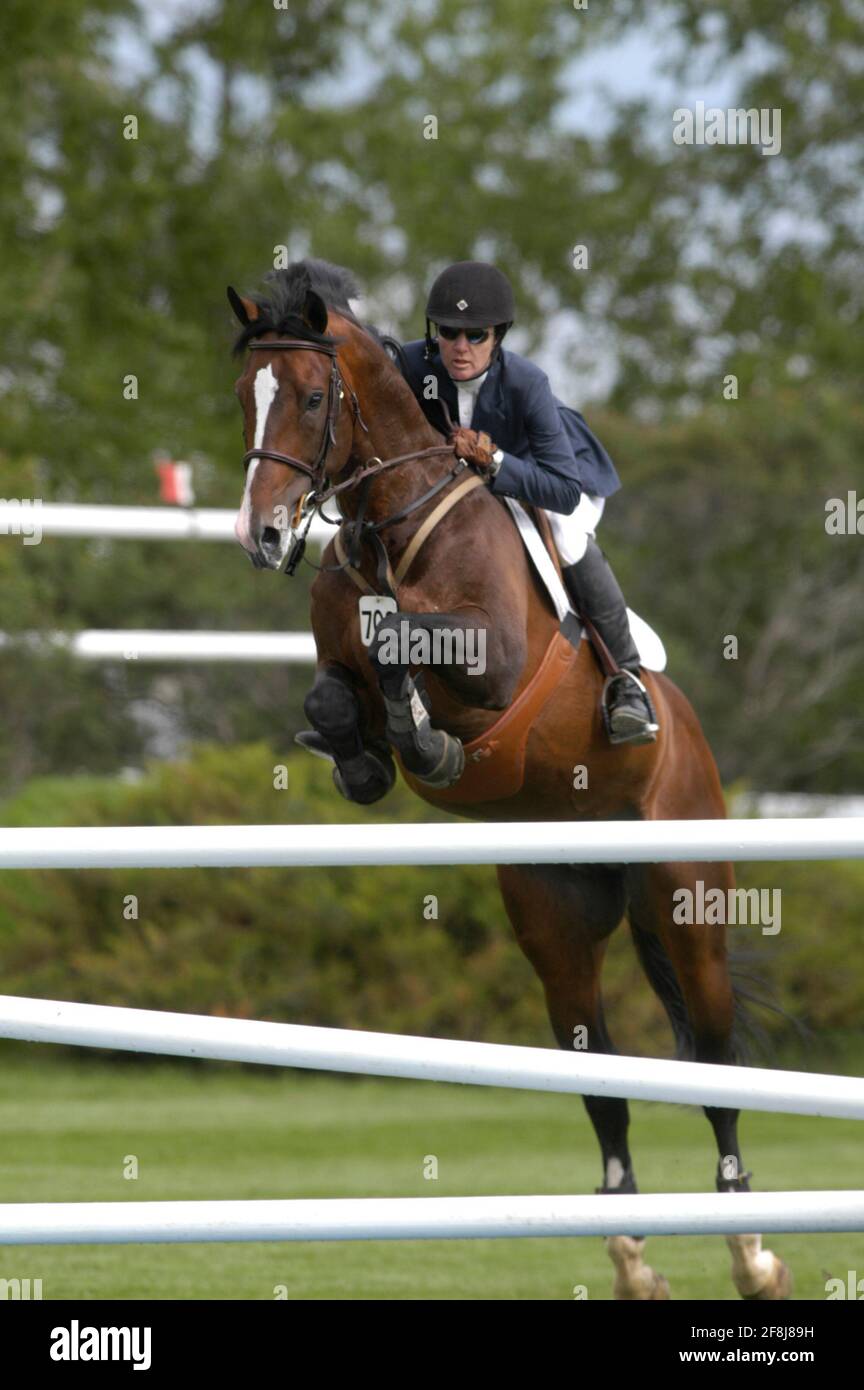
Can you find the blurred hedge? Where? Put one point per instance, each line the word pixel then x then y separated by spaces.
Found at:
pixel 348 947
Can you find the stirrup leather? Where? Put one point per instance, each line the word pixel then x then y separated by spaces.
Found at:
pixel 651 729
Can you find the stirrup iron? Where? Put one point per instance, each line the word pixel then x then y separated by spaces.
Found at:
pixel 650 731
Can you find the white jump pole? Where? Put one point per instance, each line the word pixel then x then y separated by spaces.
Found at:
pixel 21 519
pixel 428 1218
pixel 139 644
pixel 429 1059
pixel 534 842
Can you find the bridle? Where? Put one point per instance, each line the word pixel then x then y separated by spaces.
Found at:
pixel 314 500
pixel 315 470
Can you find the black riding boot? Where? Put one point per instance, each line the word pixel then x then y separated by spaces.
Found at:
pixel 596 594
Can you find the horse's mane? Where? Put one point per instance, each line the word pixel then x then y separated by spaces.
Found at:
pixel 280 305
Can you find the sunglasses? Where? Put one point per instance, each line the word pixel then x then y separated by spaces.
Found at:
pixel 475 336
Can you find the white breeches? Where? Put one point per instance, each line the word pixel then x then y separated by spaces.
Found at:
pixel 571 532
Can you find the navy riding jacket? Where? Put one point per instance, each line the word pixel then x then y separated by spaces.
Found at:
pixel 550 455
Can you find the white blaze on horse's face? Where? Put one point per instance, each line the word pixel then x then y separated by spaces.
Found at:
pixel 265 390
pixel 266 387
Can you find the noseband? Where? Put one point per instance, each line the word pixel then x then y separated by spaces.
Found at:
pixel 315 470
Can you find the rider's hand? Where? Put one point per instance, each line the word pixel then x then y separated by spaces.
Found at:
pixel 473 445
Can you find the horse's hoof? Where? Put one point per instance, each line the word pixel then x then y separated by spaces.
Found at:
pixel 758 1275
pixel 366 779
pixel 315 743
pixel 634 1280
pixel 777 1286
pixel 450 765
pixel 653 1288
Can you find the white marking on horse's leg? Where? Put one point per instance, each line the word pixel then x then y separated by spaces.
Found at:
pixel 758 1273
pixel 614 1172
pixel 266 387
pixel 633 1278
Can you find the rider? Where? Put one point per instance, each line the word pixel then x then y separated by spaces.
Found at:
pixel 544 454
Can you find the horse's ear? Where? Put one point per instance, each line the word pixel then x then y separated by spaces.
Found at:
pixel 315 311
pixel 245 309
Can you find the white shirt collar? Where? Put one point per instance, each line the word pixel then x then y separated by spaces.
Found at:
pixel 466 394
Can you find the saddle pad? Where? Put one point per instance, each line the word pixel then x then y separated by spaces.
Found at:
pixel 651 650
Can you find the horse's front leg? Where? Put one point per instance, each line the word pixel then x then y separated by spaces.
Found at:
pixel 454 646
pixel 364 769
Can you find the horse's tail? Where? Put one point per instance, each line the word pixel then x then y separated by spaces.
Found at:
pixel 664 982
pixel 749 989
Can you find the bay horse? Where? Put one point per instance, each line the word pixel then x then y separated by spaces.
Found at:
pixel 328 415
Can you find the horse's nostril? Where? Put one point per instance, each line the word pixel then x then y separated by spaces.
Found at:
pixel 270 539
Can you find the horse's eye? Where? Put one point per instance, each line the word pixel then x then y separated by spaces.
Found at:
pixel 315 400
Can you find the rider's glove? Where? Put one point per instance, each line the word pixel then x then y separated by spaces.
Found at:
pixel 477 448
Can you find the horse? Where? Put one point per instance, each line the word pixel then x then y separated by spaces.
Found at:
pixel 521 740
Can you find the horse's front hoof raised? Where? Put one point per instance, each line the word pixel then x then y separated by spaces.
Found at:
pixel 365 779
pixel 450 765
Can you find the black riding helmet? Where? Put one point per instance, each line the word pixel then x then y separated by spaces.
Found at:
pixel 470 294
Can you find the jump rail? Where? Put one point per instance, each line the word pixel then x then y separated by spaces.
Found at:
pixel 429 1059
pixel 532 842
pixel 129 523
pixel 428 1218
pixel 142 644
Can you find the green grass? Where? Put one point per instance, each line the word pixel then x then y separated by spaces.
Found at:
pixel 210 1132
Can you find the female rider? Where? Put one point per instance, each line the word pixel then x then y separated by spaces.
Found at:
pixel 544 454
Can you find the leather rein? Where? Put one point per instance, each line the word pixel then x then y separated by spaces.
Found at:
pixel 314 500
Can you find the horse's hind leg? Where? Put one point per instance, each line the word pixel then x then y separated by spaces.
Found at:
pixel 563 916
pixel 687 966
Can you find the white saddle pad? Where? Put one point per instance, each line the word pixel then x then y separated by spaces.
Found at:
pixel 652 653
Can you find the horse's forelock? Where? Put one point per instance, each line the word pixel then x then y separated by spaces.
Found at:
pixel 281 305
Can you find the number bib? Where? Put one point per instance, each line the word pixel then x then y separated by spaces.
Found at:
pixel 373 607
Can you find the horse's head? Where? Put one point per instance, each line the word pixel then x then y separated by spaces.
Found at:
pixel 297 428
